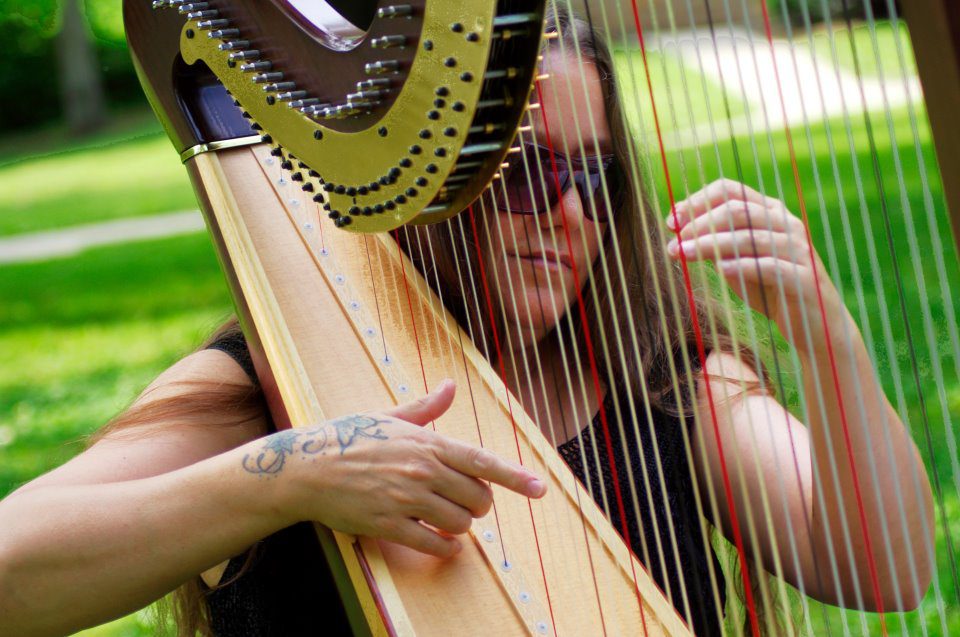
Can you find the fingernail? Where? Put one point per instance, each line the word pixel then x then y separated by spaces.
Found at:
pixel 672 246
pixel 688 247
pixel 536 488
pixel 670 221
pixel 457 547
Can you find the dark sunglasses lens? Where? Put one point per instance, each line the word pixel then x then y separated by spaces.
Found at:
pixel 538 192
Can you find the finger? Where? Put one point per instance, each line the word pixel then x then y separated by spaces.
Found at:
pixel 428 408
pixel 470 493
pixel 738 244
pixel 444 515
pixel 710 197
pixel 763 270
pixel 420 538
pixel 483 464
pixel 739 215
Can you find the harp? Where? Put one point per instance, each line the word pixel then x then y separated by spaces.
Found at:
pixel 332 148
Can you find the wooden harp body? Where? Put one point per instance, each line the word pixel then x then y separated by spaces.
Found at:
pixel 299 201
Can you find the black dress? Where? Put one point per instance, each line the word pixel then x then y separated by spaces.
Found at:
pixel 286 588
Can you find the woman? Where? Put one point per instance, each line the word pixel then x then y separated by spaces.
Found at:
pixel 172 488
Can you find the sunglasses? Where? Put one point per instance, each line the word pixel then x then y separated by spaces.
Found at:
pixel 529 185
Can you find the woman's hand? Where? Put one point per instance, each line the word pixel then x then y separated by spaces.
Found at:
pixel 761 249
pixel 385 475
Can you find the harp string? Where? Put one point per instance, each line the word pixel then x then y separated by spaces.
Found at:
pixel 898 495
pixel 938 251
pixel 752 338
pixel 887 333
pixel 779 188
pixel 946 296
pixel 847 228
pixel 780 295
pixel 636 179
pixel 536 357
pixel 618 337
pixel 482 341
pixel 728 319
pixel 830 355
pixel 712 325
pixel 591 356
pixel 568 321
pixel 938 489
pixel 503 377
pixel 376 297
pixel 735 522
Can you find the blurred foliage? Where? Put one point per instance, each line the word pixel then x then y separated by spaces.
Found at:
pixel 28 67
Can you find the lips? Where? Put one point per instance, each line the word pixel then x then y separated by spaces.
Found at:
pixel 546 257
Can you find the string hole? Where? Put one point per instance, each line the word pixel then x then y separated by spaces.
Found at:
pixel 340 279
pixel 488 536
pixel 506 566
pixel 542 628
pixel 524 597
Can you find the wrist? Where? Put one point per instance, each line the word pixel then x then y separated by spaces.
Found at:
pixel 289 468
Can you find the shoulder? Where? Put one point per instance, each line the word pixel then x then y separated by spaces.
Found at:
pixel 206 367
pixel 732 379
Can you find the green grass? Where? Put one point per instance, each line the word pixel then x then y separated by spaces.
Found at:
pixel 81 336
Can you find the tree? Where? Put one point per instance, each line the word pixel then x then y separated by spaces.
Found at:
pixel 79 75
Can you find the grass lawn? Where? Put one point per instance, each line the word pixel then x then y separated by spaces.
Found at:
pixel 81 336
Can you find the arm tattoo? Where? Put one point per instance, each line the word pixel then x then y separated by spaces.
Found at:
pixel 277 447
pixel 349 428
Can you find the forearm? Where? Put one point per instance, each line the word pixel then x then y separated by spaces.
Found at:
pixel 860 445
pixel 75 556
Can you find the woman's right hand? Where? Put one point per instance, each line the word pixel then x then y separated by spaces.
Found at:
pixel 385 475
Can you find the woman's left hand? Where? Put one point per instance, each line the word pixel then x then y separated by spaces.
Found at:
pixel 761 249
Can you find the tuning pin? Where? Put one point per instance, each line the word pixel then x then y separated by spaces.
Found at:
pixel 291 95
pixel 303 103
pixel 205 25
pixel 373 83
pixel 264 78
pixel 234 45
pixel 388 41
pixel 382 66
pixel 223 34
pixel 395 11
pixel 252 54
pixel 193 7
pixel 280 86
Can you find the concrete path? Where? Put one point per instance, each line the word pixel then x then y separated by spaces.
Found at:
pixel 40 246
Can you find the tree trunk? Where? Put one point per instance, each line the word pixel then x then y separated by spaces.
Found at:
pixel 81 85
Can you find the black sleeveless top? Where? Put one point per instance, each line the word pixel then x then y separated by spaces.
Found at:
pixel 287 589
